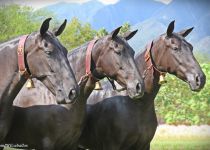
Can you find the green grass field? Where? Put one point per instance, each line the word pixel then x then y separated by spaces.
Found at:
pixel 181 144
pixel 177 144
pixel 179 138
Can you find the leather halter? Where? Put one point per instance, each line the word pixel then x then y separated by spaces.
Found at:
pixel 88 57
pixel 88 71
pixel 149 62
pixel 21 58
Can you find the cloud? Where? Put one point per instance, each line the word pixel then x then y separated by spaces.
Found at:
pixel 109 1
pixel 164 1
pixel 42 3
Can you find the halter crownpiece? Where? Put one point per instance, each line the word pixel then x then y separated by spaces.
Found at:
pixel 88 57
pixel 21 61
pixel 150 65
pixel 88 67
pixel 88 63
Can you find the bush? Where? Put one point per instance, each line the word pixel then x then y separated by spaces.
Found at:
pixel 177 104
pixel 17 20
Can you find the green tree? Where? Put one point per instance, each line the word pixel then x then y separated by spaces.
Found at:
pixel 102 32
pixel 125 28
pixel 77 34
pixel 177 104
pixel 17 20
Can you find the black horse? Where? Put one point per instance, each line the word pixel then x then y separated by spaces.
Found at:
pixel 60 127
pixel 117 122
pixel 38 55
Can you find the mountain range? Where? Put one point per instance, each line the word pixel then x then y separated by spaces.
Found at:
pixel 149 16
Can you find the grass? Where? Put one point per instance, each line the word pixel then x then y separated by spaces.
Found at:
pixel 164 140
pixel 176 144
pixel 183 143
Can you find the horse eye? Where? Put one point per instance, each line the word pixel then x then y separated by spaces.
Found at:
pixel 118 53
pixel 45 44
pixel 175 48
pixel 48 52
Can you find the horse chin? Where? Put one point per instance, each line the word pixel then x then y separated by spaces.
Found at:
pixel 69 101
pixel 195 84
pixel 194 87
pixel 137 97
pixel 134 95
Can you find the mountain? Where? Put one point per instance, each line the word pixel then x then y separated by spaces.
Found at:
pixel 148 30
pixel 83 12
pixel 149 16
pixel 204 45
pixel 132 11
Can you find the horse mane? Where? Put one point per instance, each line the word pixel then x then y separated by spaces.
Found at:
pixel 11 39
pixel 81 48
pixel 15 37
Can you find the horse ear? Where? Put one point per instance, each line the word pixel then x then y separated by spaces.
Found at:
pixel 170 28
pixel 184 33
pixel 45 26
pixel 58 31
pixel 129 35
pixel 115 32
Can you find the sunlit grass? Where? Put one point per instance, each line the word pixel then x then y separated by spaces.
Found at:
pixel 176 144
pixel 179 138
pixel 181 144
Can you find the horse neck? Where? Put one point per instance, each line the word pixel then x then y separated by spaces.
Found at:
pixel 10 81
pixel 77 61
pixel 151 79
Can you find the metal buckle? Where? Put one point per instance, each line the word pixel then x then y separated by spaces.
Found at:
pixel 20 51
pixel 22 72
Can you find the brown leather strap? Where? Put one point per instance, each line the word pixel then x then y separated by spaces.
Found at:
pixel 21 59
pixel 148 60
pixel 88 57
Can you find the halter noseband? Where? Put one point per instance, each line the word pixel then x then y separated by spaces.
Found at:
pixel 150 63
pixel 21 58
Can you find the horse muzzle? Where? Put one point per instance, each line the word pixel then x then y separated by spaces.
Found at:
pixel 62 98
pixel 136 92
pixel 196 81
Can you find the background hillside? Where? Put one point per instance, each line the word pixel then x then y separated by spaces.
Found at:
pixel 149 16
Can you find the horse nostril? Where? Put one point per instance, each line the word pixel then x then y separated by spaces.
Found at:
pixel 197 79
pixel 72 94
pixel 138 88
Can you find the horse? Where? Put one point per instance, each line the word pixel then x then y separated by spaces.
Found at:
pixel 37 55
pixel 116 122
pixel 60 127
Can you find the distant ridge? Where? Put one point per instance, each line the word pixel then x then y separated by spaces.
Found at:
pixel 149 16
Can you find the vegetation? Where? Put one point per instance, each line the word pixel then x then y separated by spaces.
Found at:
pixel 180 144
pixel 77 34
pixel 177 104
pixel 16 20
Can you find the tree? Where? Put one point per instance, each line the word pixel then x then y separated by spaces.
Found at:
pixel 17 20
pixel 125 28
pixel 77 34
pixel 176 104
pixel 102 32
